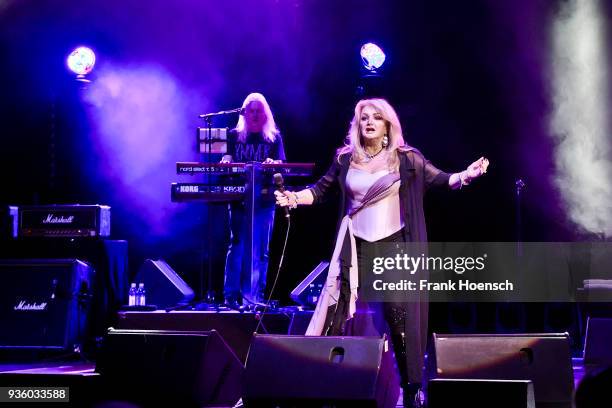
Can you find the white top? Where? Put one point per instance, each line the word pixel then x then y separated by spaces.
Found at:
pixel 378 220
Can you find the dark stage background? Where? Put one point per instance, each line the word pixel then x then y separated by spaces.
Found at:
pixel 467 78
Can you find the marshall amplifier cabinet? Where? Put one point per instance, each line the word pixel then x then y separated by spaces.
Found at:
pixel 61 221
pixel 44 303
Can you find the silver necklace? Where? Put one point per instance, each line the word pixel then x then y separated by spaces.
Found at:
pixel 371 156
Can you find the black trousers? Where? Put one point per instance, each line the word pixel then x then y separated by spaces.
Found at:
pixel 402 321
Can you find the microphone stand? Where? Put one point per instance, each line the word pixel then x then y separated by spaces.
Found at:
pixel 210 293
pixel 207 116
pixel 520 185
pixel 513 310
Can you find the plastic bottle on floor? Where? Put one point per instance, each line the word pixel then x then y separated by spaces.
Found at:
pixel 141 295
pixel 132 295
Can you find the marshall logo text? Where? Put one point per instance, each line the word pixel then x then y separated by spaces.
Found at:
pixel 23 305
pixel 51 219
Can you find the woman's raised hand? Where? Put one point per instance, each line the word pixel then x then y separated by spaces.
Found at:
pixel 478 168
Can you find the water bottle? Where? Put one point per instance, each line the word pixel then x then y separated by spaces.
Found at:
pixel 132 295
pixel 141 295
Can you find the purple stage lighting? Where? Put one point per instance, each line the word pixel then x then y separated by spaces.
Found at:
pixel 81 61
pixel 372 56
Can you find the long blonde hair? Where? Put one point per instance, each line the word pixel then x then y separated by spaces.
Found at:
pixel 269 129
pixel 353 143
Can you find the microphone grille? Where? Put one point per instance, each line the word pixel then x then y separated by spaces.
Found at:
pixel 278 179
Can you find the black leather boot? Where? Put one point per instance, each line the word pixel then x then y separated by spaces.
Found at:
pixel 411 392
pixel 399 350
pixel 412 395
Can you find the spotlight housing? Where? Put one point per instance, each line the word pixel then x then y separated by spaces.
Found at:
pixel 81 61
pixel 372 57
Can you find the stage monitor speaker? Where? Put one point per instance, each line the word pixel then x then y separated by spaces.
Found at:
pixel 308 291
pixel 44 303
pixel 165 288
pixel 157 368
pixel 444 393
pixel 598 343
pixel 312 371
pixel 542 358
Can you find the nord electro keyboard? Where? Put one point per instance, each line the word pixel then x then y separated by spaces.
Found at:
pixel 72 220
pixel 219 169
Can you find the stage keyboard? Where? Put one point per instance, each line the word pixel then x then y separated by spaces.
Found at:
pixel 226 182
pixel 209 193
pixel 220 169
pixel 181 192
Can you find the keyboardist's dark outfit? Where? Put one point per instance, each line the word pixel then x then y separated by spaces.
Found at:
pixel 240 282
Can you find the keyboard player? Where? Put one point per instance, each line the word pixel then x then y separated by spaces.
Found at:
pixel 254 139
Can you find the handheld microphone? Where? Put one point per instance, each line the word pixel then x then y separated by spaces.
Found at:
pixel 279 183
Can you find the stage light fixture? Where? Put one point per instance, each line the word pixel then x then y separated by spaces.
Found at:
pixel 372 56
pixel 81 61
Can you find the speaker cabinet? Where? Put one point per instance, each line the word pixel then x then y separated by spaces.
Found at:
pixel 164 287
pixel 542 358
pixel 598 343
pixel 312 371
pixel 43 303
pixel 444 393
pixel 170 368
pixel 109 259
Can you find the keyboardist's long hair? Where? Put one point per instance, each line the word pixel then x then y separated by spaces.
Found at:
pixel 269 128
